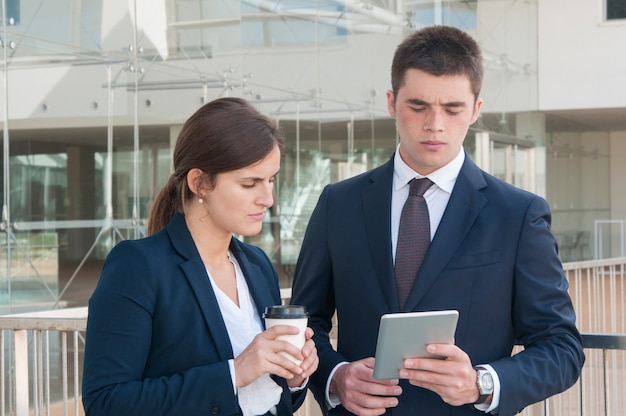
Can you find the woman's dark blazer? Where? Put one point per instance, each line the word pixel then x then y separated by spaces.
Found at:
pixel 156 342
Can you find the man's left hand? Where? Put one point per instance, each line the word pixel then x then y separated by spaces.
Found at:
pixel 453 378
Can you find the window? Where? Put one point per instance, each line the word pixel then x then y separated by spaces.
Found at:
pixel 615 9
pixel 13 12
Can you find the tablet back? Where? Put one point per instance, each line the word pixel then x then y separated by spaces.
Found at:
pixel 404 335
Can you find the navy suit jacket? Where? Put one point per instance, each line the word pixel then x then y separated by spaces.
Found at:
pixel 156 341
pixel 493 258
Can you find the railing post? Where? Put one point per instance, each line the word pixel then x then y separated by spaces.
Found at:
pixel 20 349
pixel 582 392
pixel 606 383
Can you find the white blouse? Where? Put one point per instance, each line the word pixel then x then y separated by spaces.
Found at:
pixel 243 323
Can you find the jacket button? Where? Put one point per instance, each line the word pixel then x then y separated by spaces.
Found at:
pixel 215 410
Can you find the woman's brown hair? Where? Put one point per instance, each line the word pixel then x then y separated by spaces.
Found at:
pixel 223 135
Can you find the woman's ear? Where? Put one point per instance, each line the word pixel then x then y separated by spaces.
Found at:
pixel 194 181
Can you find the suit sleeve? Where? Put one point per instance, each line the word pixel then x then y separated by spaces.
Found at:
pixel 118 344
pixel 544 320
pixel 313 287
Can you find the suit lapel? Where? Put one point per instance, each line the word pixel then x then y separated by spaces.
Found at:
pixel 196 274
pixel 199 280
pixel 257 282
pixel 466 202
pixel 376 201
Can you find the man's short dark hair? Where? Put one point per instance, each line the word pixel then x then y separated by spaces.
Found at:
pixel 438 50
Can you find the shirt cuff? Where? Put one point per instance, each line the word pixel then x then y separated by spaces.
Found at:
pixel 495 398
pixel 301 387
pixel 231 367
pixel 332 400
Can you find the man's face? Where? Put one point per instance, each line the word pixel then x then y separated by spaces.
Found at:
pixel 432 116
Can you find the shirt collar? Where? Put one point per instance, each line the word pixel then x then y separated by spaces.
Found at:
pixel 444 177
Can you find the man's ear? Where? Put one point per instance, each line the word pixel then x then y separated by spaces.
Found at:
pixel 391 104
pixel 477 106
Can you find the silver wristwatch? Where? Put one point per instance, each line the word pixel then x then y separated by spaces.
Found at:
pixel 485 384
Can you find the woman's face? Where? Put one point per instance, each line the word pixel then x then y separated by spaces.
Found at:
pixel 238 202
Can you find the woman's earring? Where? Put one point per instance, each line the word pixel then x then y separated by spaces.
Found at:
pixel 200 201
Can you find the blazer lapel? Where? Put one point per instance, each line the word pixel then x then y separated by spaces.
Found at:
pixel 466 202
pixel 257 282
pixel 196 274
pixel 376 201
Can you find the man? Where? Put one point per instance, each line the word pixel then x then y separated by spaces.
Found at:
pixel 491 256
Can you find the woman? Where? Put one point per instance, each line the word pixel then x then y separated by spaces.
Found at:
pixel 175 323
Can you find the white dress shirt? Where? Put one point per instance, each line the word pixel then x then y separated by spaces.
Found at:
pixel 437 196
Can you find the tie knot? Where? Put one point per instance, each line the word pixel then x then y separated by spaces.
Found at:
pixel 419 186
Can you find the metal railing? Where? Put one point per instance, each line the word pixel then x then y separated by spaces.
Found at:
pixel 598 291
pixel 41 369
pixel 601 388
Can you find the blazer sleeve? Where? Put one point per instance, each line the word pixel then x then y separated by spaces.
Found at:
pixel 118 346
pixel 313 287
pixel 544 320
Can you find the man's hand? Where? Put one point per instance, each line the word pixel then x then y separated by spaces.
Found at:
pixel 360 393
pixel 453 378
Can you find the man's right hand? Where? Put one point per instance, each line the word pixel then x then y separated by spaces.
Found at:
pixel 355 386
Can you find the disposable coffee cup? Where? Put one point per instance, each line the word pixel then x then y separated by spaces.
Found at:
pixel 292 315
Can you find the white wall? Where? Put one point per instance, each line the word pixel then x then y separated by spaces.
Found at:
pixel 582 60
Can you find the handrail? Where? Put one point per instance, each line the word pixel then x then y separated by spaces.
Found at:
pixel 604 341
pixel 68 319
pixel 588 264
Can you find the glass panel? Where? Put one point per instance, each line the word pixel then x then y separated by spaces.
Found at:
pixel 501 161
pixel 520 167
pixel 33 262
pixel 578 174
pixel 38 187
pixel 296 22
pixel 206 26
pixel 461 14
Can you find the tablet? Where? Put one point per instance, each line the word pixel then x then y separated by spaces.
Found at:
pixel 404 335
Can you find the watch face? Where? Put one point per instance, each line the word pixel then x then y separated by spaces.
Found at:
pixel 486 381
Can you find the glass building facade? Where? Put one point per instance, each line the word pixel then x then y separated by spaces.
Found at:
pixel 94 92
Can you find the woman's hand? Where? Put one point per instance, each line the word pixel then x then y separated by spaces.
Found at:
pixel 263 355
pixel 309 363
